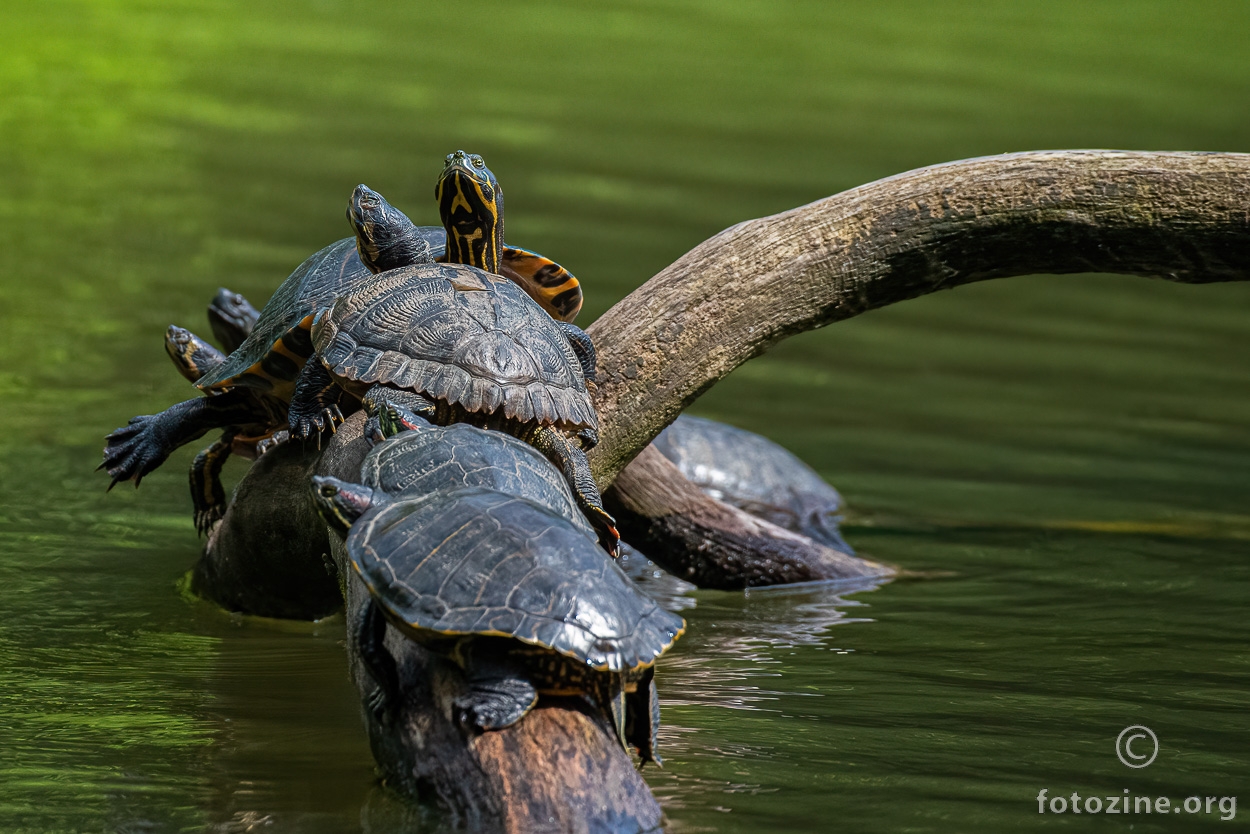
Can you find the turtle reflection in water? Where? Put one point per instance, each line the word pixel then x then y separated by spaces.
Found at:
pixel 471 544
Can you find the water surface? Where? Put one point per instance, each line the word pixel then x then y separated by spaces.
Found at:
pixel 1066 459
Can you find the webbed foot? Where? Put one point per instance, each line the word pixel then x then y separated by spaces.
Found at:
pixel 380 663
pixel 315 403
pixel 135 449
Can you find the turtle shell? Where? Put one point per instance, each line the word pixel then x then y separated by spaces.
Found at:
pixel 480 562
pixel 435 458
pixel 456 333
pixel 273 354
pixel 756 475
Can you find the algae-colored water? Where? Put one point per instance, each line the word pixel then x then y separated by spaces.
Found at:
pixel 1069 457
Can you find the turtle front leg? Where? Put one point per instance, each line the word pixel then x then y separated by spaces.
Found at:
pixel 207 495
pixel 498 695
pixel 370 643
pixel 642 718
pixel 584 348
pixel 148 440
pixel 315 403
pixel 572 462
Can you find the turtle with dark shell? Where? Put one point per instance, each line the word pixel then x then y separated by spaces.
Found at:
pixel 232 318
pixel 194 357
pixel 756 475
pixel 453 343
pixel 470 544
pixel 266 368
pixel 273 356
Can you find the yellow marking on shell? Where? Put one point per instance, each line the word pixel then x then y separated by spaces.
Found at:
pixel 283 389
pixel 521 267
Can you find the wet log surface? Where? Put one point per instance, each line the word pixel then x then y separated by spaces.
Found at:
pixel 713 544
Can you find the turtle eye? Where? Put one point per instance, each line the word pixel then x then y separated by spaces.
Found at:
pixel 477 162
pixel 329 491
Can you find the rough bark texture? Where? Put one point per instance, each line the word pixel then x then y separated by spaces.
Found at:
pixel 1179 216
pixel 559 769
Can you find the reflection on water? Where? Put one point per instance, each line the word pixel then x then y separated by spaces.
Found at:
pixel 1068 457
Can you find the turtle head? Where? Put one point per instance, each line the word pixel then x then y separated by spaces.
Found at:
pixel 193 356
pixel 231 310
pixel 385 237
pixel 341 503
pixel 470 203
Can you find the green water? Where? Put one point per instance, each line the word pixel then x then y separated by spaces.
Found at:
pixel 1068 457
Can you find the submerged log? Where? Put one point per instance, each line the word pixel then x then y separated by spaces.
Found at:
pixel 713 544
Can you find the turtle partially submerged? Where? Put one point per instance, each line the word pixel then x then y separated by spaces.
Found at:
pixel 756 475
pixel 470 544
pixel 453 343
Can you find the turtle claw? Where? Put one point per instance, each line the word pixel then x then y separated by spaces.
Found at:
pixel 134 450
pixel 306 428
pixel 206 518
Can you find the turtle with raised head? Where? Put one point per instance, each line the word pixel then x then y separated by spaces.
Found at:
pixel 470 203
pixel 457 344
pixel 470 545
pixel 232 318
pixel 267 367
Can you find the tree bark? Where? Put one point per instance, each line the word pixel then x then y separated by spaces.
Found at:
pixel 1179 216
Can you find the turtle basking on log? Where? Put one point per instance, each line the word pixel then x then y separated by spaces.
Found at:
pixel 273 355
pixel 454 343
pixel 471 544
pixel 255 384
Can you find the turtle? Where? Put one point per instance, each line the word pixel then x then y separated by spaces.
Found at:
pixel 194 357
pixel 454 343
pixel 756 475
pixel 470 204
pixel 469 544
pixel 266 365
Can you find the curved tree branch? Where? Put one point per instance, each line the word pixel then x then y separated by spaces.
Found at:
pixel 1180 216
